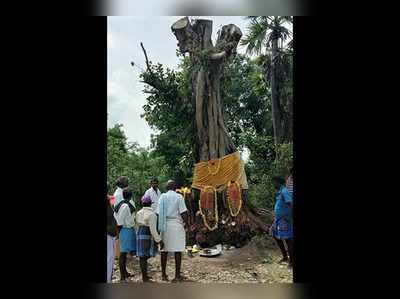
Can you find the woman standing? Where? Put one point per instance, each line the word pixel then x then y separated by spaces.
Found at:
pixel 282 227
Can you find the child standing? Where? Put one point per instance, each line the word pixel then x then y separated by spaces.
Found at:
pixel 147 235
pixel 124 214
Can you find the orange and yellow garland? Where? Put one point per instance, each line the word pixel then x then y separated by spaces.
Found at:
pixel 219 174
pixel 205 192
pixel 231 194
pixel 184 191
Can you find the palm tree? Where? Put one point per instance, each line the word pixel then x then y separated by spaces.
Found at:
pixel 269 33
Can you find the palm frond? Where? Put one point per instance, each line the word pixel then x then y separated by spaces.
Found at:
pixel 255 38
pixel 288 19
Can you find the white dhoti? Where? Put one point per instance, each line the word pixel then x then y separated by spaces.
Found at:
pixel 110 257
pixel 174 237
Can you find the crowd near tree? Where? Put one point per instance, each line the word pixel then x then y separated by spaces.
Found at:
pixel 257 100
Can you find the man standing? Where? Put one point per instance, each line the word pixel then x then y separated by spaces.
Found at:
pixel 154 193
pixel 172 216
pixel 282 227
pixel 122 182
pixel 112 232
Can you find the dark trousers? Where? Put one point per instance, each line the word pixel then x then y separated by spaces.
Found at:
pixel 286 253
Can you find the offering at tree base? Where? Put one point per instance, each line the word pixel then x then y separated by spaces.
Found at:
pixel 212 252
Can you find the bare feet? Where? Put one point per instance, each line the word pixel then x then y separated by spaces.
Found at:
pixel 175 280
pixel 179 278
pixel 148 279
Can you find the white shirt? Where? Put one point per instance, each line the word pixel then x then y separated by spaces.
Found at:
pixel 147 217
pixel 175 205
pixel 154 197
pixel 124 216
pixel 118 194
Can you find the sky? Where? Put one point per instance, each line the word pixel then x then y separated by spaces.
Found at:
pixel 125 97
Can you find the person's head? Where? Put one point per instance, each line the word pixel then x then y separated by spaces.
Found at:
pixel 127 193
pixel 122 182
pixel 146 201
pixel 278 181
pixel 154 183
pixel 171 185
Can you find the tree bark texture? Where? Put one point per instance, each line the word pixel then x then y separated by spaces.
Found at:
pixel 208 61
pixel 277 117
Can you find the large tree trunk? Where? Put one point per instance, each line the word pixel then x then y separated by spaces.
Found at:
pixel 213 138
pixel 277 120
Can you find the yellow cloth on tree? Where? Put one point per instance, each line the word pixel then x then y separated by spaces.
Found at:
pixel 218 172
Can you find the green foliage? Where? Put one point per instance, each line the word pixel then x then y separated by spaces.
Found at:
pixel 138 164
pixel 247 108
pixel 266 37
pixel 263 30
pixel 246 100
pixel 261 190
pixel 170 110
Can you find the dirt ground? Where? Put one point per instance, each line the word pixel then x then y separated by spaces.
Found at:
pixel 248 264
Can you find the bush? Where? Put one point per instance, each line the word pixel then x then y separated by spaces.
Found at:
pixel 261 190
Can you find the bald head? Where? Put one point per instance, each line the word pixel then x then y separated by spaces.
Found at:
pixel 171 185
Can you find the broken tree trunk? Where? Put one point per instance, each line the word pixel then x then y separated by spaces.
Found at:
pixel 213 139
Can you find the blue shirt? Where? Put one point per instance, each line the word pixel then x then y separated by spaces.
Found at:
pixel 282 201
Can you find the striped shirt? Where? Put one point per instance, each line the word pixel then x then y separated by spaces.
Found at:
pixel 289 185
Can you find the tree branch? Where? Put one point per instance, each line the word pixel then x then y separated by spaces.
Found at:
pixel 147 60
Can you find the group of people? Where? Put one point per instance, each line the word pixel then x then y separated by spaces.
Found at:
pixel 158 226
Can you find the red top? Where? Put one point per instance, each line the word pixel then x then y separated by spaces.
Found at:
pixel 111 199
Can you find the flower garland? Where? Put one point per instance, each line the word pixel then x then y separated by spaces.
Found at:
pixel 209 170
pixel 184 191
pixel 230 199
pixel 216 208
